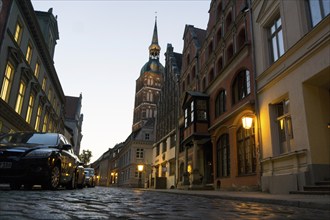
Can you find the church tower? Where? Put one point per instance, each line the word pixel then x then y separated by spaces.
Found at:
pixel 148 86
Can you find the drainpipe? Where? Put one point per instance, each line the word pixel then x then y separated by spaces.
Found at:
pixel 256 103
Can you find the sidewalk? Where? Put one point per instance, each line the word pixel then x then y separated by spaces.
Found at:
pixel 298 200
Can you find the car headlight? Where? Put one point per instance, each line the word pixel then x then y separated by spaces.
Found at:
pixel 39 153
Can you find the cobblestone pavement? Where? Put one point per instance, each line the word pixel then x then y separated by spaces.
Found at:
pixel 122 203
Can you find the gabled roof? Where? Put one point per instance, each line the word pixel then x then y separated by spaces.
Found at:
pixel 71 106
pixel 193 94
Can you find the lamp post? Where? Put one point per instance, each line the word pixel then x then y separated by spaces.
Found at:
pixel 140 169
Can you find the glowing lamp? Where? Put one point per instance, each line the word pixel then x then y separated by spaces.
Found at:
pixel 247 122
pixel 140 168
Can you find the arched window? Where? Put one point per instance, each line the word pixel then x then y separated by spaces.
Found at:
pixel 220 103
pixel 241 38
pixel 230 52
pixel 211 76
pixel 228 20
pixel 219 34
pixel 241 86
pixel 246 152
pixel 220 64
pixel 223 156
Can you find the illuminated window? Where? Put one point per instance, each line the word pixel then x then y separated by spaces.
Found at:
pixel 50 93
pixel 276 39
pixel 44 83
pixel 7 81
pixel 37 70
pixel 28 54
pixel 29 109
pixel 45 124
pixel 18 32
pixel 20 97
pixel 38 118
pixel 284 125
pixel 247 160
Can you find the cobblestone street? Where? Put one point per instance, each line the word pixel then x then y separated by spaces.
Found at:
pixel 121 203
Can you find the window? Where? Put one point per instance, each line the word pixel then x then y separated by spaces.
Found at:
pixel 30 108
pixel 186 119
pixel 241 38
pixel 284 125
pixel 157 150
pixel 146 136
pixel 18 32
pixel 45 124
pixel 7 81
pixel 276 39
pixel 50 93
pixel 28 54
pixel 44 83
pixel 37 70
pixel 241 86
pixel 246 151
pixel 192 111
pixel 139 153
pixel 220 65
pixel 230 52
pixel 228 21
pixel 201 110
pixel 164 147
pixel 20 97
pixel 223 156
pixel 210 49
pixel 211 76
pixel 36 127
pixel 319 9
pixel 220 103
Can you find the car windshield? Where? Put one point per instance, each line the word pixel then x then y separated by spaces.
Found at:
pixel 89 172
pixel 30 138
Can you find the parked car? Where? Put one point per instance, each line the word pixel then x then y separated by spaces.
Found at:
pixel 90 177
pixel 46 159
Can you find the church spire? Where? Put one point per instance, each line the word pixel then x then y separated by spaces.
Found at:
pixel 154 48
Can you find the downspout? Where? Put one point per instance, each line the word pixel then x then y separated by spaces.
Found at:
pixel 256 103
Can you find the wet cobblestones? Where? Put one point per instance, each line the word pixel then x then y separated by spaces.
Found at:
pixel 121 203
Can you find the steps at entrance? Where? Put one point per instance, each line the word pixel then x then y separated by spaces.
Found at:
pixel 319 188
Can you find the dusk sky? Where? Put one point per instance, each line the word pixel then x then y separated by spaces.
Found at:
pixel 102 47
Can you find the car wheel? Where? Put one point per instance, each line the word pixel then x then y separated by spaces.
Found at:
pixel 15 186
pixel 55 176
pixel 72 184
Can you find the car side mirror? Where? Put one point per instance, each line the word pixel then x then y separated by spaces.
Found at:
pixel 66 147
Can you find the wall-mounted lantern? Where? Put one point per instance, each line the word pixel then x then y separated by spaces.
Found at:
pixel 247 122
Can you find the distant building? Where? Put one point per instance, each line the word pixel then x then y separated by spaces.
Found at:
pixel 73 121
pixel 136 150
pixel 293 82
pixel 164 151
pixel 31 96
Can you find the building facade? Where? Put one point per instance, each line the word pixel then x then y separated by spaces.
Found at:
pixel 73 121
pixel 164 151
pixel 31 97
pixel 293 84
pixel 122 165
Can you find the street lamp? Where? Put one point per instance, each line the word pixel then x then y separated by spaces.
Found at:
pixel 247 122
pixel 140 169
